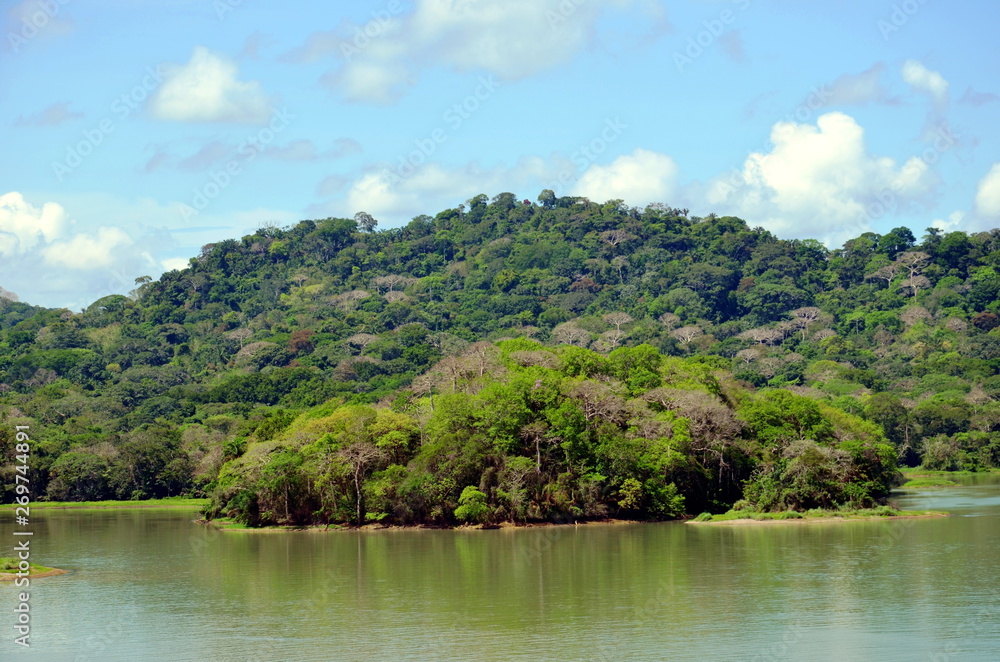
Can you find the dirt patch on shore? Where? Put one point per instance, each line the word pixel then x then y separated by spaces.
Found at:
pixel 51 572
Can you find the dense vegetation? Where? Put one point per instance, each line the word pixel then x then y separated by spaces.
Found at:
pixel 327 371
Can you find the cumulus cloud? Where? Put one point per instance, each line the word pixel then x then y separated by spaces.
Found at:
pixel 988 194
pixel 23 226
pixel 175 263
pixel 207 89
pixel 55 114
pixel 88 251
pixel 954 222
pixel 924 80
pixel 393 199
pixel 52 260
pixel 820 181
pixel 512 39
pixel 639 178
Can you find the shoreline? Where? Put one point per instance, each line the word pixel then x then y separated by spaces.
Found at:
pixel 48 572
pixel 227 525
pixel 177 504
pixel 745 521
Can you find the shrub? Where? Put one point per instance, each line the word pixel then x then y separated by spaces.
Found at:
pixel 472 506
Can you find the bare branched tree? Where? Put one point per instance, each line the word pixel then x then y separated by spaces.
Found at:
pixel 686 333
pixel 617 319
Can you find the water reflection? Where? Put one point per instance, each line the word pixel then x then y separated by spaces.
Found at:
pixel 154 585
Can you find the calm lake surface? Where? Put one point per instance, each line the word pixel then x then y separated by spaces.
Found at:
pixel 153 585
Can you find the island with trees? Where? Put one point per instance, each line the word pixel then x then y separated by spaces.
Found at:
pixel 517 361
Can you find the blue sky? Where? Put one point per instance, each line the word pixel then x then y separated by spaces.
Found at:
pixel 136 131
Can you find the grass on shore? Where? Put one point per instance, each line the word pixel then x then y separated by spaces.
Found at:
pixel 169 502
pixel 9 564
pixel 815 514
pixel 230 525
pixel 919 483
pixel 919 472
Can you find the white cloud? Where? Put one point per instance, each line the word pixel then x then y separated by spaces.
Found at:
pixel 95 259
pixel 23 226
pixel 820 181
pixel 511 39
pixel 371 82
pixel 178 263
pixel 924 80
pixel 988 194
pixel 88 251
pixel 639 178
pixel 206 89
pixel 954 222
pixel 393 200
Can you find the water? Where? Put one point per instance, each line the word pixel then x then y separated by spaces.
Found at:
pixel 153 585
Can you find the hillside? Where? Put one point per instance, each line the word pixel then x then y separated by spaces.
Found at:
pixel 150 395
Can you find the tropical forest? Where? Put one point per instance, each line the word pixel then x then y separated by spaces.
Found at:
pixel 516 361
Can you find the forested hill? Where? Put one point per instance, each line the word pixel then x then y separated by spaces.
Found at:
pixel 150 394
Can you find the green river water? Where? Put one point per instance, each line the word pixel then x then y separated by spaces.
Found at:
pixel 153 585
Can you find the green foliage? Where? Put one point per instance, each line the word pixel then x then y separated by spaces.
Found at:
pixel 472 506
pixel 299 338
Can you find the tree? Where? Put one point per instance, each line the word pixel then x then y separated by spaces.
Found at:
pixel 887 273
pixel 361 340
pixel 913 261
pixel 366 222
pixel 570 334
pixel 391 281
pixel 614 237
pixel 803 317
pixel 360 456
pixel 301 342
pixel 617 319
pixel 7 295
pixel 547 199
pixel 986 321
pixel 669 320
pixel 472 506
pixel 239 335
pixel 898 240
pixel 686 333
pixel 915 284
